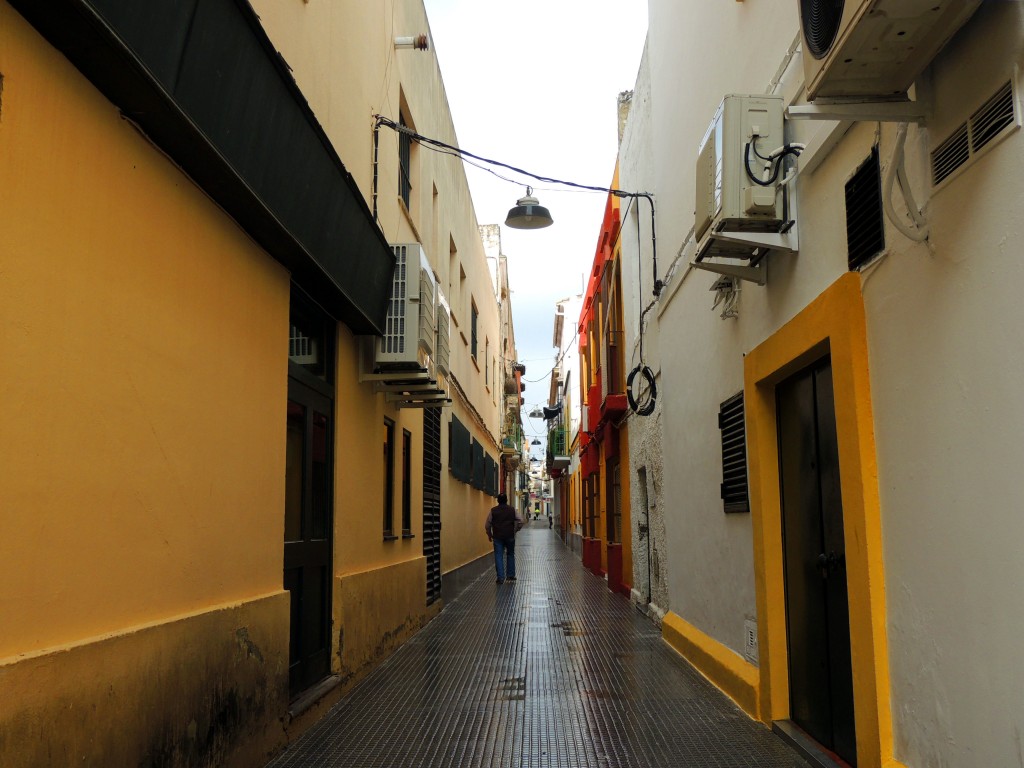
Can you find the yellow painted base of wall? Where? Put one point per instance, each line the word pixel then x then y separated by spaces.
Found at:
pixel 375 612
pixel 206 689
pixel 730 672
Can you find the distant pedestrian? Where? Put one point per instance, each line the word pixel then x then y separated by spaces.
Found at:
pixel 503 521
pixel 551 522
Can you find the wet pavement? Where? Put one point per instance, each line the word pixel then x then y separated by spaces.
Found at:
pixel 552 670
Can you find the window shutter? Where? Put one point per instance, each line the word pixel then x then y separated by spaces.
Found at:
pixel 865 232
pixel 734 455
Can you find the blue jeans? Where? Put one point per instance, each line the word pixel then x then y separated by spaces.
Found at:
pixel 505 549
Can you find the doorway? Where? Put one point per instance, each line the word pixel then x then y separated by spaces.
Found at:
pixel 307 546
pixel 309 492
pixel 814 561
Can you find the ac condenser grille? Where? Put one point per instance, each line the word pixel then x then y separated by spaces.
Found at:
pixel 443 333
pixel 394 324
pixel 821 20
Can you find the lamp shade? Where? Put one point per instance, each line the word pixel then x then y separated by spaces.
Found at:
pixel 528 213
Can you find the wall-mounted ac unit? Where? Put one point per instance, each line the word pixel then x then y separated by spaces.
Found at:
pixel 442 350
pixel 409 327
pixel 874 49
pixel 744 129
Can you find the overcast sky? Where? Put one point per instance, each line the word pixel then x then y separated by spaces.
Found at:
pixel 535 85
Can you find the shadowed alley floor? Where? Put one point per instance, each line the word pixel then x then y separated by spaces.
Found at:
pixel 550 670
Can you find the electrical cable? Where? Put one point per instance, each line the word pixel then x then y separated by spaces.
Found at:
pixel 647 406
pixel 773 158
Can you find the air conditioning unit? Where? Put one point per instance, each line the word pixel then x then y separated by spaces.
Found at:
pixel 442 350
pixel 409 327
pixel 874 49
pixel 745 128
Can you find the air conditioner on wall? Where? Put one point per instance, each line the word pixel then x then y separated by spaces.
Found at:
pixel 727 198
pixel 874 49
pixel 410 328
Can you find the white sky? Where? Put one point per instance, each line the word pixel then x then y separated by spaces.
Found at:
pixel 535 85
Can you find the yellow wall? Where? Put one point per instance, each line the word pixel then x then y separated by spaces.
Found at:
pixel 144 383
pixel 144 372
pixel 356 38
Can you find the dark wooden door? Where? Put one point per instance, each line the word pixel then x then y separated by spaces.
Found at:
pixel 307 545
pixel 817 612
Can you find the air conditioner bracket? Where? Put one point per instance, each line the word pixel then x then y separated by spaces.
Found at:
pixel 746 251
pixel 882 111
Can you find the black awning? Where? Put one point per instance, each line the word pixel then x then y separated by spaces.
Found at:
pixel 203 81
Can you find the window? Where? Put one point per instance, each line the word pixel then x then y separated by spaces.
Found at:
pixel 454 281
pixel 865 234
pixel 406 483
pixel 459 453
pixel 474 314
pixel 404 163
pixel 310 337
pixel 389 479
pixel 487 368
pixel 734 455
pixel 478 469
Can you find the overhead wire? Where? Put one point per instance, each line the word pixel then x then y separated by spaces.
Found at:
pixel 647 405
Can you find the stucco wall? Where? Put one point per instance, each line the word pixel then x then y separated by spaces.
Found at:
pixel 946 368
pixel 143 331
pixel 143 423
pixel 647 525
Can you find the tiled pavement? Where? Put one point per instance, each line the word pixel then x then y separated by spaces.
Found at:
pixel 552 670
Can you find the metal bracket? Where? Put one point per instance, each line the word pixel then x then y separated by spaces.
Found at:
pixel 885 111
pixel 751 274
pixel 784 242
pixel 742 265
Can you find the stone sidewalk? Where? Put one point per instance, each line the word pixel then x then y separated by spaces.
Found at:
pixel 549 671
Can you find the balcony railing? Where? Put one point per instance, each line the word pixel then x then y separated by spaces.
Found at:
pixel 512 440
pixel 558 448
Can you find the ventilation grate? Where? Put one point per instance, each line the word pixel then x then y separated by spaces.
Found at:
pixel 734 455
pixel 993 120
pixel 995 116
pixel 951 154
pixel 865 234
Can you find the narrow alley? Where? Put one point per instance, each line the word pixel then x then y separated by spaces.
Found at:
pixel 551 670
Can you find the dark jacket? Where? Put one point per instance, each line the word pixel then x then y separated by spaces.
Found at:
pixel 503 522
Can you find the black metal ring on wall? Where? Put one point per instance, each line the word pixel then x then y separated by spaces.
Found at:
pixel 648 407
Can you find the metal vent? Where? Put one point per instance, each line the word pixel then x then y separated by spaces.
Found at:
pixel 951 154
pixel 990 122
pixel 734 455
pixel 821 20
pixel 394 323
pixel 865 234
pixel 993 117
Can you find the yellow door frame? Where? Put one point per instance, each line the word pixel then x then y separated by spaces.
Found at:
pixel 834 323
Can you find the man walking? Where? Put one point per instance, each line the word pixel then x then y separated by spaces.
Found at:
pixel 502 523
